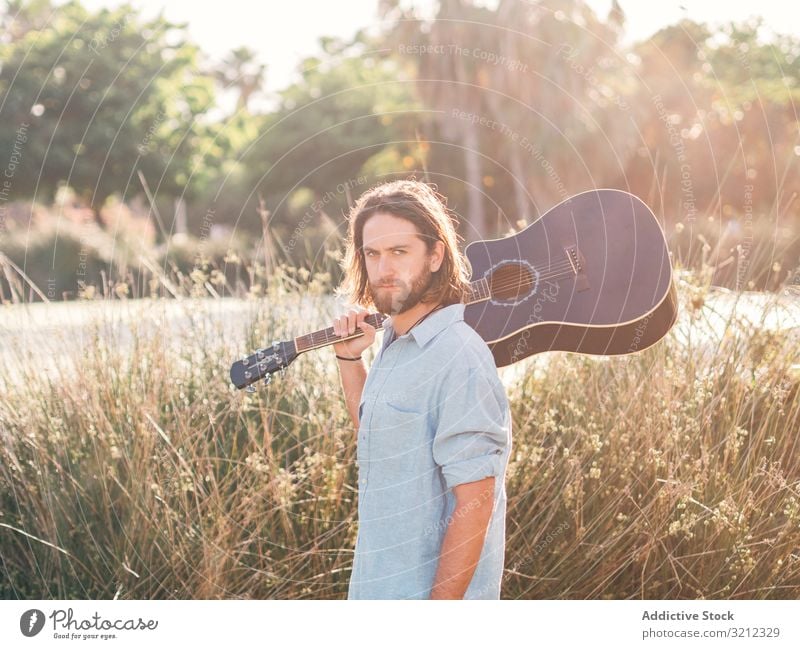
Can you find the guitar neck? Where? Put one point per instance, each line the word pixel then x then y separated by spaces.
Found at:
pixel 325 337
pixel 479 290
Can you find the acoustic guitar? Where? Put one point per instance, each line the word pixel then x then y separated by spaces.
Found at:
pixel 592 275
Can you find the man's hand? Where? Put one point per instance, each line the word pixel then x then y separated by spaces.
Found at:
pixel 463 541
pixel 347 325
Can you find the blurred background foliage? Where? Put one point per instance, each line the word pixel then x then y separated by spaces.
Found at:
pixel 122 158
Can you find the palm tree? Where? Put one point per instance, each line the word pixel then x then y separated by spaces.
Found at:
pixel 447 81
pixel 240 70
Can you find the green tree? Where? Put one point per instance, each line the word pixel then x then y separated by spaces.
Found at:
pixel 98 97
pixel 348 108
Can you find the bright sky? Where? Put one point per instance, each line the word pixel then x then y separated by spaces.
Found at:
pixel 283 33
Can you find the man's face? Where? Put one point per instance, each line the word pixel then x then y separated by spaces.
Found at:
pixel 398 266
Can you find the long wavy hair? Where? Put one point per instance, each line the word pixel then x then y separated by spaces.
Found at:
pixel 418 203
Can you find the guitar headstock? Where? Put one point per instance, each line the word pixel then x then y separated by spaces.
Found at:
pixel 262 364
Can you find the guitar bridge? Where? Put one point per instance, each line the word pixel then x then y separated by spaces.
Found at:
pixel 578 263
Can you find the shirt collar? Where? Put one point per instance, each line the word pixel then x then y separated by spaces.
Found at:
pixel 436 322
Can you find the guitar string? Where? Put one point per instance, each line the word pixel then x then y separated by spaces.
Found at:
pixel 555 271
pixel 558 271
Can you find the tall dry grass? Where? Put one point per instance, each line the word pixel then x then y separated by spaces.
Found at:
pixel 136 471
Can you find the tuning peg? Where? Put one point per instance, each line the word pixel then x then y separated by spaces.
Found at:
pixel 267 379
pixel 250 389
pixel 276 344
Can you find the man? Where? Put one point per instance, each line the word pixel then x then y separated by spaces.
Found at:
pixel 434 426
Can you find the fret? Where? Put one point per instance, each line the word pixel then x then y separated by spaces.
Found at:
pixel 479 290
pixel 474 292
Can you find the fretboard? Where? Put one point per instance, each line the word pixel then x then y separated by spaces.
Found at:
pixel 324 337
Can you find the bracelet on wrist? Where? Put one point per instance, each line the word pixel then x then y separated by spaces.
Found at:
pixel 348 358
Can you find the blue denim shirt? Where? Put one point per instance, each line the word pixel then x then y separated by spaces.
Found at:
pixel 433 415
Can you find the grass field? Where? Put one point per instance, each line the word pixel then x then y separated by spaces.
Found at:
pixel 130 468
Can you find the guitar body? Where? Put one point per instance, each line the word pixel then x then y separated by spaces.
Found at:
pixel 592 275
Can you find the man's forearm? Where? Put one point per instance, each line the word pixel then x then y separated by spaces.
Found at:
pixel 353 375
pixel 464 539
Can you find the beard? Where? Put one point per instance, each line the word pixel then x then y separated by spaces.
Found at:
pixel 398 300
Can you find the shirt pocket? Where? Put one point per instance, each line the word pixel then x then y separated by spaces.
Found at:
pixel 409 398
pixel 400 430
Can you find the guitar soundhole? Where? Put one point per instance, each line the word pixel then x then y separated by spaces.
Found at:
pixel 512 281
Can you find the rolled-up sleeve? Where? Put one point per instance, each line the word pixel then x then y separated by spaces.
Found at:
pixel 472 430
